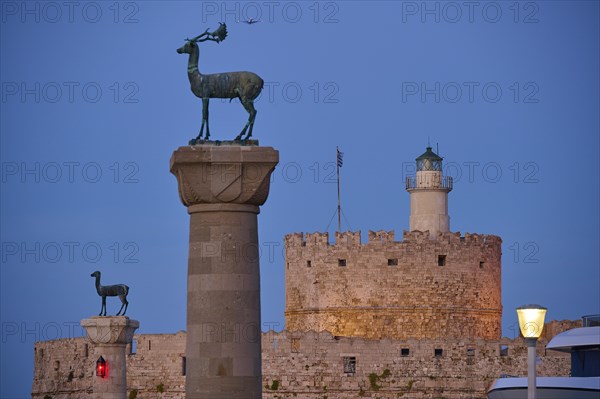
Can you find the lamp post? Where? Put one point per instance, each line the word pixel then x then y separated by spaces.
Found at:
pixel 531 323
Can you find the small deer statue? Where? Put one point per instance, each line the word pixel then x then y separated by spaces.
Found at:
pixel 120 290
pixel 243 85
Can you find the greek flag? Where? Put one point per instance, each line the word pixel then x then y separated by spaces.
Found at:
pixel 340 158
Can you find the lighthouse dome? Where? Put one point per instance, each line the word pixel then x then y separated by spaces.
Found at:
pixel 429 160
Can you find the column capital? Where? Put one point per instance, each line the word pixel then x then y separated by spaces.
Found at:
pixel 110 330
pixel 223 174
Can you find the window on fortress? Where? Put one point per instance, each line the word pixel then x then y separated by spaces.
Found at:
pixel 342 262
pixel 470 352
pixel 438 352
pixel 503 350
pixel 86 350
pixel 295 345
pixel 133 347
pixel 349 364
pixel 393 262
pixel 149 345
pixel 183 364
pixel 56 365
pixel 481 265
pixel 308 263
pixel 441 260
pixel 404 352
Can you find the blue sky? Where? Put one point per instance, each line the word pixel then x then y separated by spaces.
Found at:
pixel 95 99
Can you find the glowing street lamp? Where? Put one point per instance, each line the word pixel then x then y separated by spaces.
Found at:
pixel 531 323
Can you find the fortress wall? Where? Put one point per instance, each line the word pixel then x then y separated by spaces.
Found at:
pixel 157 364
pixel 157 360
pixel 394 289
pixel 310 366
pixel 63 368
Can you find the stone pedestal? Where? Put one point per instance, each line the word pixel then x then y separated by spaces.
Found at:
pixel 110 335
pixel 223 187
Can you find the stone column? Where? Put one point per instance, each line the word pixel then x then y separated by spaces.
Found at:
pixel 223 187
pixel 110 336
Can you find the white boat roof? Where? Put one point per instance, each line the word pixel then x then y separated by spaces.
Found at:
pixel 591 383
pixel 583 336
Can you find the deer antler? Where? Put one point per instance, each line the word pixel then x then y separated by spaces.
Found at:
pixel 198 37
pixel 220 33
pixel 217 36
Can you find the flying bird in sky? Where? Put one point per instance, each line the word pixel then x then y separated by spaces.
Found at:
pixel 250 21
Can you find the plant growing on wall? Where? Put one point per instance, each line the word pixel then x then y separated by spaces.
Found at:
pixel 374 378
pixel 373 381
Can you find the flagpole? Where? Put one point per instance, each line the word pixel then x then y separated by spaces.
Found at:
pixel 337 162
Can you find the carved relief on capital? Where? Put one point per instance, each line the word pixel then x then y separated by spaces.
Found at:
pixel 223 174
pixel 110 330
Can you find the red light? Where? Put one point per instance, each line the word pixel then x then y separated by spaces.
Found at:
pixel 101 367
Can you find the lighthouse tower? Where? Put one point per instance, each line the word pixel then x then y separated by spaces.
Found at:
pixel 429 195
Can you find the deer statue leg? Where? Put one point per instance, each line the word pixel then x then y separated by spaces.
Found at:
pixel 103 306
pixel 249 106
pixel 252 116
pixel 201 131
pixel 205 116
pixel 204 120
pixel 124 304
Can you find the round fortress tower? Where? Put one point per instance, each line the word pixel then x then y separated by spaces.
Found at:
pixel 429 195
pixel 431 284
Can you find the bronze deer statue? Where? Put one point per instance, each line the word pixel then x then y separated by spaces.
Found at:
pixel 243 85
pixel 120 290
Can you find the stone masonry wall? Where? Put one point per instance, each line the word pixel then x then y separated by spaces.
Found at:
pixel 309 366
pixel 394 289
pixel 64 368
pixel 158 364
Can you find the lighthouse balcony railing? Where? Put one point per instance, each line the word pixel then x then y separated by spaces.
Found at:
pixel 445 182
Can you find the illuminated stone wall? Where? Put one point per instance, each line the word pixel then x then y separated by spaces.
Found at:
pixel 417 288
pixel 311 366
